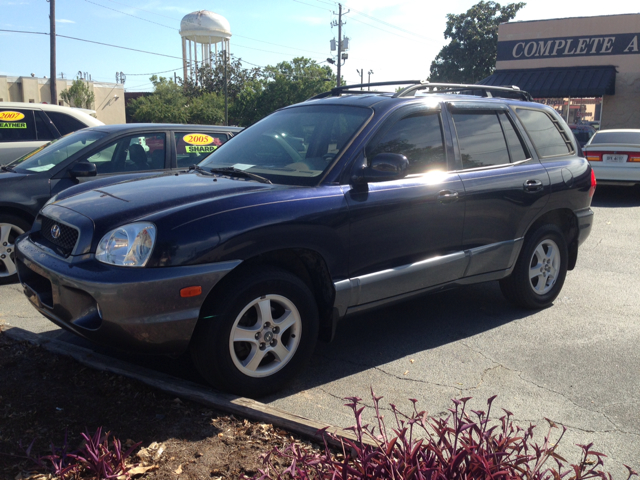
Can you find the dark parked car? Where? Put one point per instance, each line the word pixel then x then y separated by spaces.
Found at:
pixel 89 154
pixel 343 203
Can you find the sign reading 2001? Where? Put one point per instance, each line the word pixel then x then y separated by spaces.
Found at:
pixel 199 143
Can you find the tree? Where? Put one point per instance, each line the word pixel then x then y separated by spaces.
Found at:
pixel 285 84
pixel 79 95
pixel 167 104
pixel 470 56
pixel 211 78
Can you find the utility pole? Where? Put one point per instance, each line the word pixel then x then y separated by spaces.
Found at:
pixel 369 81
pixel 361 73
pixel 340 45
pixel 226 99
pixel 52 41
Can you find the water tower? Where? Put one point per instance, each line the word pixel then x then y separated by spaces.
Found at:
pixel 202 33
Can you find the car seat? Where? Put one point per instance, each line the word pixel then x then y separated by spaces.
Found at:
pixel 138 156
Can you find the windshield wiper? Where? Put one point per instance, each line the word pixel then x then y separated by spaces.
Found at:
pixel 236 172
pixel 199 169
pixel 7 168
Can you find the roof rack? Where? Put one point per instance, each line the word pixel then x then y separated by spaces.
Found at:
pixel 417 85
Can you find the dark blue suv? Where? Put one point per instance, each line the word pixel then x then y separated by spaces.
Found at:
pixel 343 203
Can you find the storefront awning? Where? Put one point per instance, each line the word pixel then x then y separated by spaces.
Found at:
pixel 558 82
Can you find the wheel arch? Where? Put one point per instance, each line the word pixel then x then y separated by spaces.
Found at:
pixel 308 265
pixel 566 221
pixel 17 212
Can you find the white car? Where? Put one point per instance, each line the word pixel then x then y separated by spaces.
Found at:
pixel 615 156
pixel 26 126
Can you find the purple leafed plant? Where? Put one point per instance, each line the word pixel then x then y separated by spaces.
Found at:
pixel 465 445
pixel 96 458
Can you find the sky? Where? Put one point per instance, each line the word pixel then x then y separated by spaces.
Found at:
pixel 395 39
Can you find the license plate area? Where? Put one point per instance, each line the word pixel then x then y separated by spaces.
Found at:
pixel 614 158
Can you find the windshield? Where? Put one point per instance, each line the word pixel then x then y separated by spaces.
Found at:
pixel 292 146
pixel 623 138
pixel 55 152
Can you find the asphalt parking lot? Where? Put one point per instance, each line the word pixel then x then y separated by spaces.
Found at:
pixel 576 363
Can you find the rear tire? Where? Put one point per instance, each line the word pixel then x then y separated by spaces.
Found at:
pixel 10 228
pixel 259 334
pixel 540 271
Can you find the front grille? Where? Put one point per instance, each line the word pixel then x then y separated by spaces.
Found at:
pixel 65 241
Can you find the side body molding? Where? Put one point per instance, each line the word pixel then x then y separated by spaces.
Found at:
pixel 386 286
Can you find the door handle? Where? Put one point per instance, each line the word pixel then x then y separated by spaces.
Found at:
pixel 532 186
pixel 447 196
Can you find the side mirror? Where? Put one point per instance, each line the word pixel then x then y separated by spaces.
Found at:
pixel 83 169
pixel 385 167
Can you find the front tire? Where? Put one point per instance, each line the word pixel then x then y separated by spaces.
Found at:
pixel 10 228
pixel 540 271
pixel 260 332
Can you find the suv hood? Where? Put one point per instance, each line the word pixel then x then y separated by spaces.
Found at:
pixel 131 200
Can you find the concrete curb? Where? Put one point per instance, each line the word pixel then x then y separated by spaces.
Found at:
pixel 241 406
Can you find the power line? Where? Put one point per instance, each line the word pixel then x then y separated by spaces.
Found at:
pixel 131 15
pixel 153 73
pixel 91 41
pixel 402 29
pixel 177 30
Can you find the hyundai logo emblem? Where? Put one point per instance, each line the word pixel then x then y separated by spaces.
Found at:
pixel 55 231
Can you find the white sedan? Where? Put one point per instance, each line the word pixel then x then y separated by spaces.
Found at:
pixel 615 156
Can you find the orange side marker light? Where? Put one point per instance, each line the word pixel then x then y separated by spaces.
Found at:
pixel 190 292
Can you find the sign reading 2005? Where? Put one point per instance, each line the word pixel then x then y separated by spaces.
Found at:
pixel 620 44
pixel 199 143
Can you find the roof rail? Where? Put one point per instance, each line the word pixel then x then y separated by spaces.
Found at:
pixel 487 90
pixel 417 85
pixel 337 91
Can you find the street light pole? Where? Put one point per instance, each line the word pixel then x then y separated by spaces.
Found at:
pixel 361 73
pixel 369 81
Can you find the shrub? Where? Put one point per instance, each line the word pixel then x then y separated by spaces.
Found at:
pixel 464 445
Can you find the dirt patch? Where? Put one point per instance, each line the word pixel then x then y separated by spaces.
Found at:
pixel 44 397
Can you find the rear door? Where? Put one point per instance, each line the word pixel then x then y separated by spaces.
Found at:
pixel 406 234
pixel 504 185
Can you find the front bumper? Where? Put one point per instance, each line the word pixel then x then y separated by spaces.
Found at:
pixel 134 309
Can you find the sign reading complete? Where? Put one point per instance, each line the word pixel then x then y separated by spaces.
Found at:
pixel 9 119
pixel 620 44
pixel 199 143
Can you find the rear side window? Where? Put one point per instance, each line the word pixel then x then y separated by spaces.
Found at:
pixel 481 140
pixel 17 126
pixel 65 123
pixel 193 147
pixel 418 137
pixel 544 132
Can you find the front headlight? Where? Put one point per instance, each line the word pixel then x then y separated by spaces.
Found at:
pixel 128 246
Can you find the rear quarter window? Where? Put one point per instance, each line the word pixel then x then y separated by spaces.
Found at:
pixel 65 123
pixel 545 133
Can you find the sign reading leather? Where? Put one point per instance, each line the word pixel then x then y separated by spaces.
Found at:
pixel 584 46
pixel 9 119
pixel 199 143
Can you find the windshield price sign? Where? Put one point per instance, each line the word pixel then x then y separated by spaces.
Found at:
pixel 199 143
pixel 9 119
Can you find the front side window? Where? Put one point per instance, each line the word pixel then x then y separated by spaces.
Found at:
pixel 418 137
pixel 17 125
pixel 56 152
pixel 193 147
pixel 132 153
pixel 293 146
pixel 544 132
